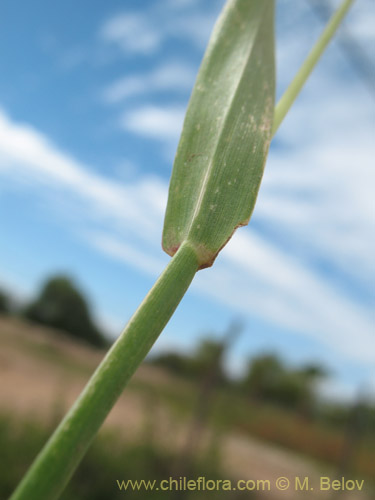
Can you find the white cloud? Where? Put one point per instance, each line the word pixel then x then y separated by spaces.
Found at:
pixel 252 275
pixel 126 252
pixel 359 23
pixel 124 88
pixel 143 33
pixel 133 33
pixel 287 291
pixel 154 122
pixel 171 76
pixel 137 207
pixel 320 182
pixel 195 27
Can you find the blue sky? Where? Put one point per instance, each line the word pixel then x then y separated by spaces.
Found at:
pixel 92 98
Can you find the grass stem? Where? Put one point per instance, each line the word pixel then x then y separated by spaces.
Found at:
pixel 59 458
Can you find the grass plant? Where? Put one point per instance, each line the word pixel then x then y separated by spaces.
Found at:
pixel 230 121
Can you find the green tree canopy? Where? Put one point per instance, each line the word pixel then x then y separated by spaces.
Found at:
pixel 206 357
pixel 61 305
pixel 4 302
pixel 268 379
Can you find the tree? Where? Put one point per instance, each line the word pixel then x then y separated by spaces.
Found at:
pixel 61 305
pixel 268 379
pixel 174 362
pixel 4 303
pixel 206 358
pixel 263 376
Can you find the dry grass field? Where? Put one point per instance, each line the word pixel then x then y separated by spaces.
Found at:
pixel 42 371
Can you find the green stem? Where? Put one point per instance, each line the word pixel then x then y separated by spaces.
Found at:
pixel 59 458
pixel 291 93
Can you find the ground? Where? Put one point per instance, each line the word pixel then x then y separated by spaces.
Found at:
pixel 43 371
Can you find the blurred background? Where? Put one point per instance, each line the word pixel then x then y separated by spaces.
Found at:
pixel 267 367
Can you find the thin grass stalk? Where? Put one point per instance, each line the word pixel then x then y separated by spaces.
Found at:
pixel 61 455
pixel 295 87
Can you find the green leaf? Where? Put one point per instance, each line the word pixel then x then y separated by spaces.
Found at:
pixel 226 134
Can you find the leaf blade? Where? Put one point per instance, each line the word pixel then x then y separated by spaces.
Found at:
pixel 229 120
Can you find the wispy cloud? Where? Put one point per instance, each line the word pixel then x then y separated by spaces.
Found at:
pixel 135 33
pixel 125 252
pixel 155 122
pixel 297 296
pixel 132 33
pixel 253 275
pixel 319 183
pixel 173 76
pixel 27 154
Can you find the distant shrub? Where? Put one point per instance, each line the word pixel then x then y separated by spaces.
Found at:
pixel 269 380
pixel 206 358
pixel 61 305
pixel 4 302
